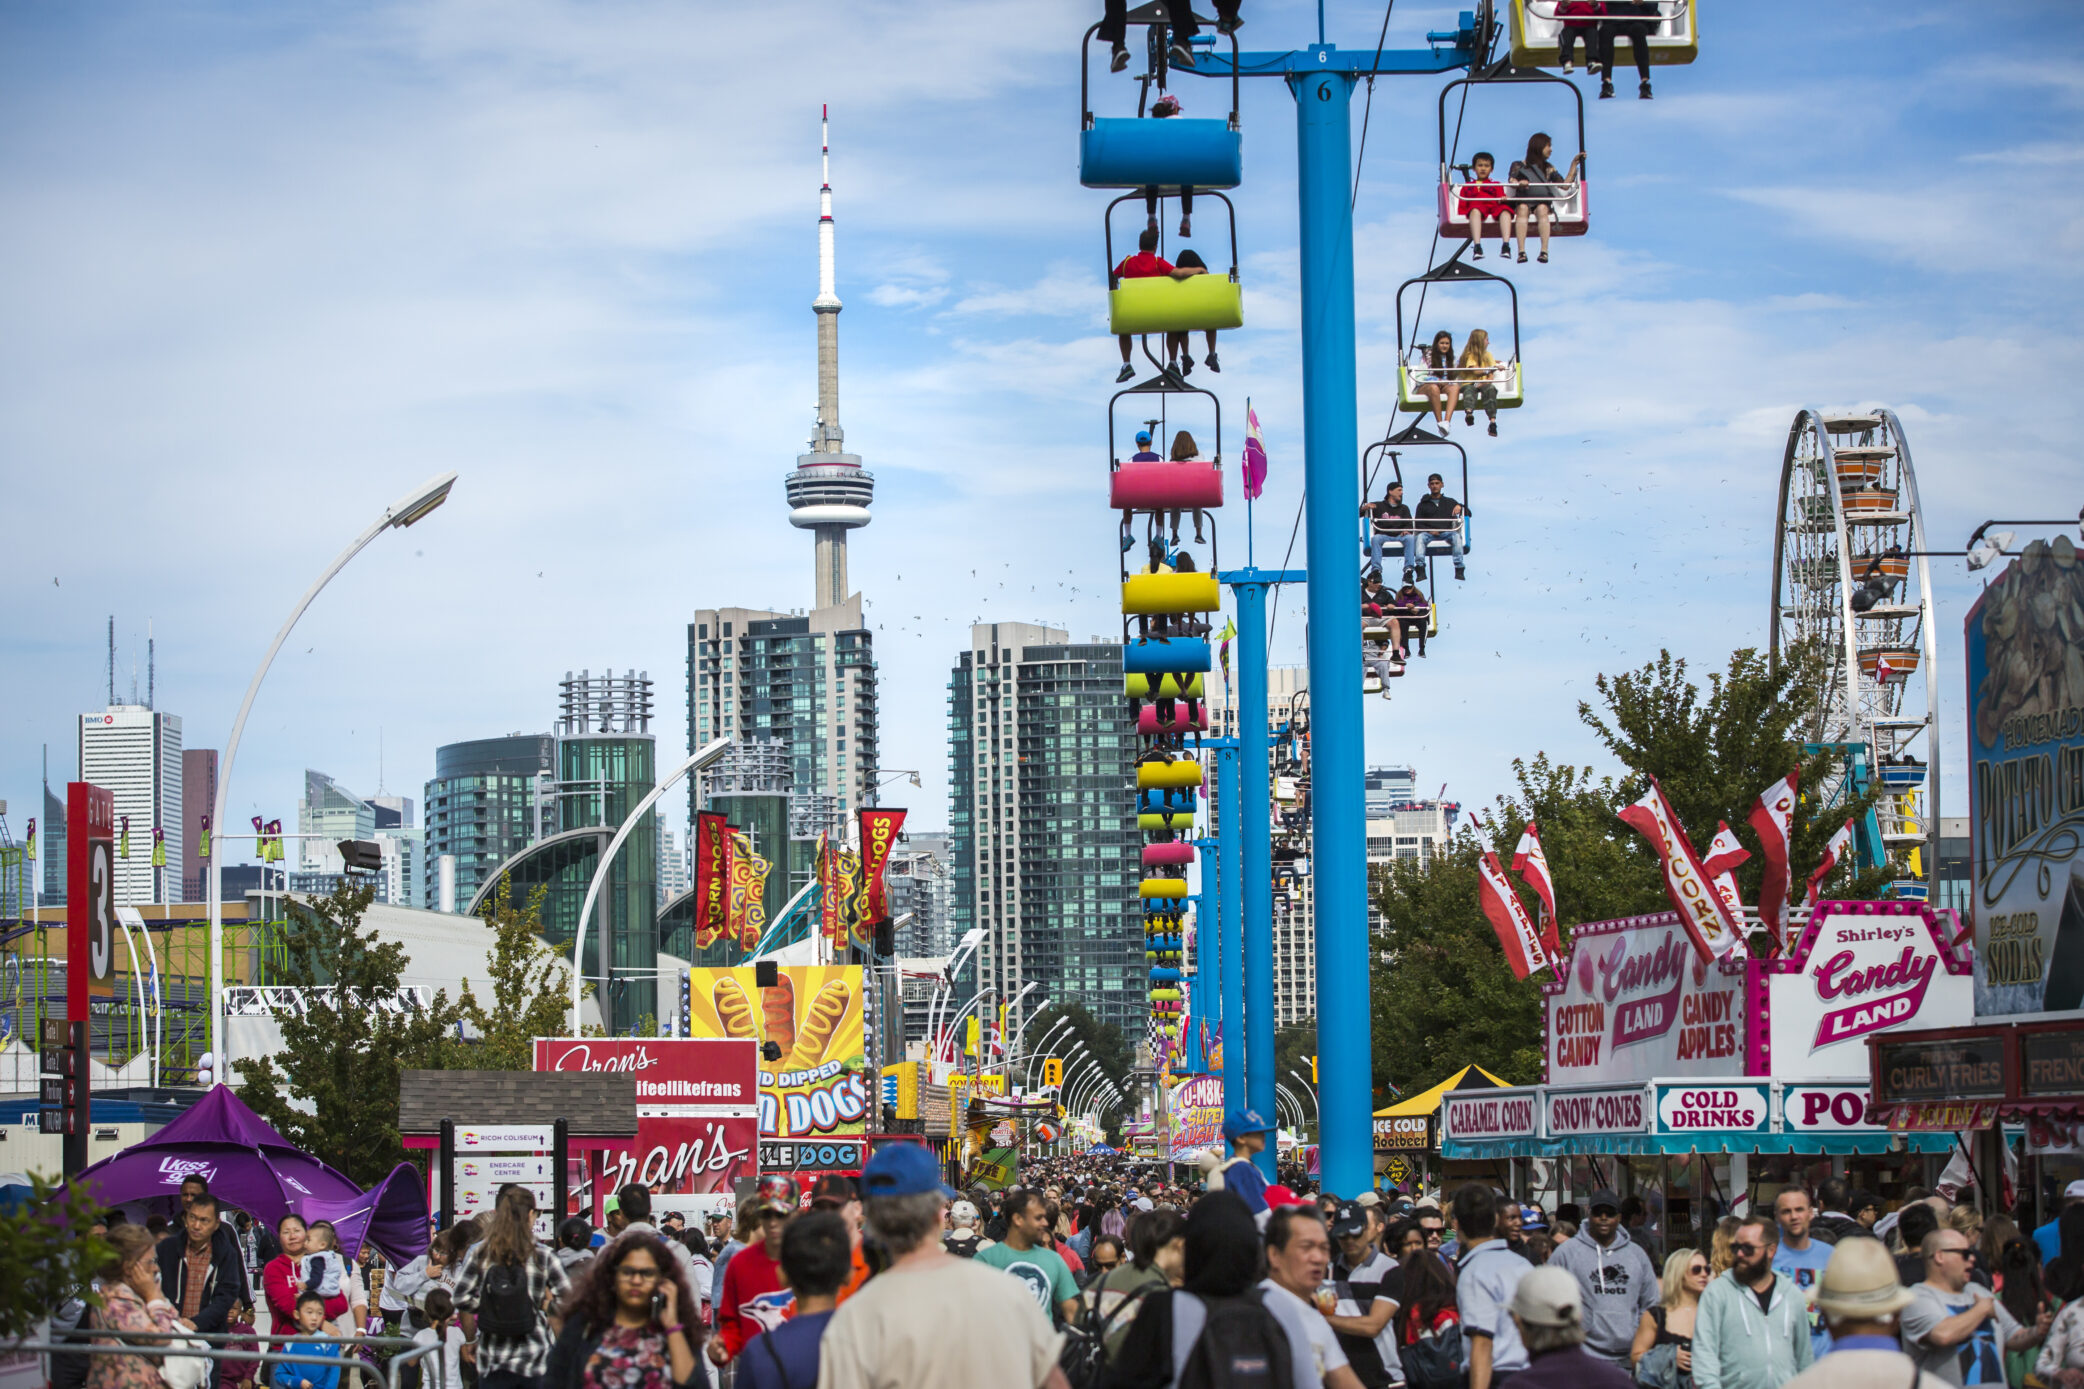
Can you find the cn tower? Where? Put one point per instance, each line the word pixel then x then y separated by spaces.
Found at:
pixel 829 491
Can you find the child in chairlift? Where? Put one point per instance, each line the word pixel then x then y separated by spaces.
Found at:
pixel 1483 199
pixel 1580 25
pixel 1145 264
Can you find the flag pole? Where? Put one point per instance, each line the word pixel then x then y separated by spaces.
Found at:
pixel 1244 475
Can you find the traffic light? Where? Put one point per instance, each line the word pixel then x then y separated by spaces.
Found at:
pixel 1313 1070
pixel 1053 1071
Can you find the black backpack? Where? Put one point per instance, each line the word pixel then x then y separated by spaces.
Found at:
pixel 1084 1356
pixel 1242 1346
pixel 961 1248
pixel 505 1309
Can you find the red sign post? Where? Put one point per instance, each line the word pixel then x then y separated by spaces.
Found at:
pixel 90 943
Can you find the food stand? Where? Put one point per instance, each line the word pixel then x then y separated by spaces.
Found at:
pixel 1694 1085
pixel 1407 1136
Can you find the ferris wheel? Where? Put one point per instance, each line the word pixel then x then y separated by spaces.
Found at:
pixel 1850 575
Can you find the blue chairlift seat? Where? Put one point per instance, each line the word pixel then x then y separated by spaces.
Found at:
pixel 1160 657
pixel 1168 155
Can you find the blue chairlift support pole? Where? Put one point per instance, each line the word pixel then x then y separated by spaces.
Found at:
pixel 1254 814
pixel 1321 79
pixel 1206 994
pixel 1230 925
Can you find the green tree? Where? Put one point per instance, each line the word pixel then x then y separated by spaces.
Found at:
pixel 1448 998
pixel 48 1252
pixel 333 1088
pixel 1109 1048
pixel 530 990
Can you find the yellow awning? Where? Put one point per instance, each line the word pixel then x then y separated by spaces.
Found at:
pixel 1429 1101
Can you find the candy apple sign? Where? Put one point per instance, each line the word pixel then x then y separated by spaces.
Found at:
pixel 1636 1001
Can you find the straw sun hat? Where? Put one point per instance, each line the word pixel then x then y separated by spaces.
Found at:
pixel 1859 1283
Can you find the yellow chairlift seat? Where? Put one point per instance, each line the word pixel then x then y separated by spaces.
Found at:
pixel 1505 376
pixel 1167 775
pixel 1161 304
pixel 1168 687
pixel 1155 594
pixel 1162 887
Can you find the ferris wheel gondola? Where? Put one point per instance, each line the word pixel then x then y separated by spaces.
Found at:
pixel 1850 579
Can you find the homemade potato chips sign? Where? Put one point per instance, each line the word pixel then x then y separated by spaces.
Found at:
pixel 813 1072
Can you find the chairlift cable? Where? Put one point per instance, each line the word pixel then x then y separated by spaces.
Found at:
pixel 1454 148
pixel 1273 618
pixel 1367 109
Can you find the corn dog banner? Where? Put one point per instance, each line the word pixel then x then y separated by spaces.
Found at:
pixel 698 1107
pixel 828 890
pixel 1701 909
pixel 879 830
pixel 815 1085
pixel 847 885
pixel 712 878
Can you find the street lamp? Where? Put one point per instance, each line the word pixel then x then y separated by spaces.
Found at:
pixel 397 516
pixel 1039 1050
pixel 1070 1060
pixel 1308 1089
pixel 971 939
pixel 696 760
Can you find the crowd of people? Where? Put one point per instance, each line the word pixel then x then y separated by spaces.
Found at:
pixel 1102 1273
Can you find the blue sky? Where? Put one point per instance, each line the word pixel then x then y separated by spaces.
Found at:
pixel 265 267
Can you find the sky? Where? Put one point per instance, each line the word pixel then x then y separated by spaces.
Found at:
pixel 264 268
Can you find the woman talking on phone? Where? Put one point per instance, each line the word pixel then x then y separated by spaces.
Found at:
pixel 631 1321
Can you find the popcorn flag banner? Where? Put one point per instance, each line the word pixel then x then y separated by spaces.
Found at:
pixel 1699 906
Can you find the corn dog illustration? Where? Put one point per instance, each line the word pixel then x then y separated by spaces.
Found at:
pixel 778 1011
pixel 733 1010
pixel 820 1025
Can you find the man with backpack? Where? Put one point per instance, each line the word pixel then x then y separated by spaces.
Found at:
pixel 504 1289
pixel 962 1239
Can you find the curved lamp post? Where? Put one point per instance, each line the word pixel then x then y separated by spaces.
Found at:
pixel 701 758
pixel 397 516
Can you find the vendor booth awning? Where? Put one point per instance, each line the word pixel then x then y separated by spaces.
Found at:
pixel 1428 1101
pixel 251 1167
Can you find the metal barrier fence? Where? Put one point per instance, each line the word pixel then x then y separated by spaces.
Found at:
pixel 219 1347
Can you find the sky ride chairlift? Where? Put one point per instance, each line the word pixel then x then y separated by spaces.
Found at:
pixel 1158 159
pixel 1410 376
pixel 1569 213
pixel 1165 667
pixel 1537 32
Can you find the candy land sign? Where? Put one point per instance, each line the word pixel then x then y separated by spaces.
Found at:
pixel 1858 968
pixel 1636 1001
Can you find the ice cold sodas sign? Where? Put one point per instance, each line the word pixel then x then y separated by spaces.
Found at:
pixel 1636 1001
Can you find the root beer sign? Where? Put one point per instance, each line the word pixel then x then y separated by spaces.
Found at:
pixel 1636 1000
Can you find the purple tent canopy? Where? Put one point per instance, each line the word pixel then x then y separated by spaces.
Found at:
pixel 251 1167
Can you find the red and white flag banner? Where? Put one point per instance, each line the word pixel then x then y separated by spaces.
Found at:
pixel 1833 852
pixel 1715 932
pixel 1725 852
pixel 1533 867
pixel 1771 817
pixel 1508 917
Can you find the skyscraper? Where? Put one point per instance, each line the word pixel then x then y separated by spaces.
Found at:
pixel 490 799
pixel 1041 745
pixel 829 492
pixel 606 763
pixel 332 812
pixel 198 794
pixel 807 679
pixel 135 752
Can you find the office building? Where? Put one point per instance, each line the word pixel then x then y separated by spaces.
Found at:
pixel 1388 786
pixel 674 876
pixel 805 681
pixel 606 763
pixel 1042 824
pixel 331 813
pixel 920 887
pixel 51 845
pixel 198 799
pixel 1953 887
pixel 404 849
pixel 490 798
pixel 134 751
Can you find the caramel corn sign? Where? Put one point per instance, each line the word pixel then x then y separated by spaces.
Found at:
pixel 813 1071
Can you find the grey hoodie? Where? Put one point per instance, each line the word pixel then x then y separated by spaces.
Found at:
pixel 1619 1284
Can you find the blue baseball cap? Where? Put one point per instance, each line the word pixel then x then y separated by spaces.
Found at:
pixel 1143 436
pixel 904 1169
pixel 1243 1121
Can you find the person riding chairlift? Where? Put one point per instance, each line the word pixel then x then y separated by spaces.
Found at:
pixel 1479 379
pixel 1114 31
pixel 1190 264
pixel 1534 188
pixel 1184 450
pixel 1445 393
pixel 1483 199
pixel 1580 25
pixel 1145 264
pixel 1634 20
pixel 1410 610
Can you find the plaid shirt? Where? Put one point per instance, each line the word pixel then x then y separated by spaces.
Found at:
pixel 529 1356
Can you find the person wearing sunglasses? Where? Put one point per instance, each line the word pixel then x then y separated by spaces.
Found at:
pixel 1616 1280
pixel 1955 1329
pixel 1752 1330
pixel 1671 1321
